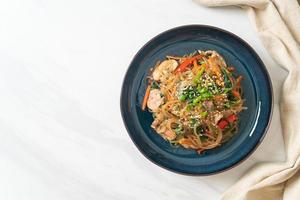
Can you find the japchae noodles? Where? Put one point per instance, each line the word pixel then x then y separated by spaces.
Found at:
pixel 195 100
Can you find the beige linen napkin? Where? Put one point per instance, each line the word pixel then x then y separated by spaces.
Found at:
pixel 278 25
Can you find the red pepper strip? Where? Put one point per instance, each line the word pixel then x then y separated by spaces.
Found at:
pixel 186 63
pixel 222 124
pixel 238 80
pixel 183 65
pixel 236 93
pixel 231 69
pixel 231 118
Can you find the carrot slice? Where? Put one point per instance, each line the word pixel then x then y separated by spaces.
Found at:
pixel 147 93
pixel 195 63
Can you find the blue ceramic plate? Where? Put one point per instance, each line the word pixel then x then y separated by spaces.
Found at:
pixel 253 122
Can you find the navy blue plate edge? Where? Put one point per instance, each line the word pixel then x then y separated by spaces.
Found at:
pixel 123 95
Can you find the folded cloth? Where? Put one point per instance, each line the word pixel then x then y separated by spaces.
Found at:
pixel 278 25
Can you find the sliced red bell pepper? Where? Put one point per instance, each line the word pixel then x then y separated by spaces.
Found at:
pixel 231 118
pixel 183 66
pixel 236 93
pixel 222 123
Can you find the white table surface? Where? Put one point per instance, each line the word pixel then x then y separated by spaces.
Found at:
pixel 62 64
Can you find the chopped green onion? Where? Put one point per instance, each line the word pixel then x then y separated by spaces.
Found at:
pixel 227 105
pixel 202 97
pixel 201 62
pixel 192 94
pixel 189 107
pixel 206 95
pixel 195 101
pixel 155 85
pixel 182 97
pixel 198 76
pixel 226 90
pixel 204 114
pixel 203 90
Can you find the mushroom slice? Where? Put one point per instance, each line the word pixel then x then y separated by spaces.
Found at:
pixel 164 69
pixel 155 100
